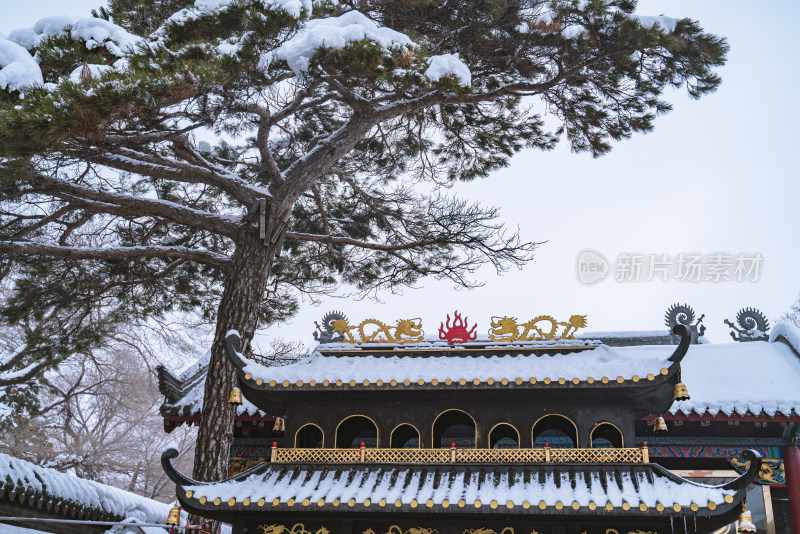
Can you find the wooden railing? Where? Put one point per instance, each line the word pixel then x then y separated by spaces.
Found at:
pixel 459 456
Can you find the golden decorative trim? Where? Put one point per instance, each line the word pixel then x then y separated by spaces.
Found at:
pixel 395 529
pixel 533 438
pixel 592 506
pixel 259 382
pixel 419 436
pixel 445 504
pixel 660 507
pixel 601 423
pixel 248 376
pixel 507 329
pixel 321 503
pixel 306 502
pixel 275 502
pixel 626 506
pixel 559 505
pixel 485 530
pixel 189 494
pixel 694 507
pixel 231 501
pixel 676 507
pixel 433 425
pixel 298 528
pixel 489 438
pixel 712 505
pixel 309 424
pixel 336 432
pixel 464 456
pixel 202 500
pixel 406 331
pixel 729 499
pixel 217 501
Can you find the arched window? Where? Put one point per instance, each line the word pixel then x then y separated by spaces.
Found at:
pixel 404 436
pixel 309 436
pixel 454 426
pixel 558 430
pixel 606 435
pixel 354 430
pixel 503 436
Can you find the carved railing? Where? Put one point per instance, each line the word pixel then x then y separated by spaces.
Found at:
pixel 459 456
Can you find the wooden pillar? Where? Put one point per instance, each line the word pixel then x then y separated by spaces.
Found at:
pixel 791 464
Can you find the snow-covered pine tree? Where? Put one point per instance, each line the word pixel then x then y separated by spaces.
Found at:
pixel 332 123
pixel 792 315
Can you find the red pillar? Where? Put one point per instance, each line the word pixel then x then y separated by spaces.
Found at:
pixel 791 464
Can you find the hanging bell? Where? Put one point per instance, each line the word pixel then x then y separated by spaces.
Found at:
pixel 661 425
pixel 279 425
pixel 745 521
pixel 174 517
pixel 680 393
pixel 236 397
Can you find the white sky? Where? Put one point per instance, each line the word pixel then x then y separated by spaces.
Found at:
pixel 716 175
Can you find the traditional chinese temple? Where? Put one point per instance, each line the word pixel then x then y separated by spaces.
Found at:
pixel 533 428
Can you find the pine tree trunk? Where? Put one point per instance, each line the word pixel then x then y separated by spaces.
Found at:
pixel 238 309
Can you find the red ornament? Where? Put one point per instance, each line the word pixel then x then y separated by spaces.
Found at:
pixel 457 333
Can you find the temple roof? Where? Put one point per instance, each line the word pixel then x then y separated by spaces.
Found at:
pixel 710 371
pixel 528 489
pixel 489 365
pixel 71 496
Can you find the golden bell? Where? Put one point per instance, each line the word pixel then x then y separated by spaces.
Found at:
pixel 680 393
pixel 746 522
pixel 278 426
pixel 174 517
pixel 661 425
pixel 236 397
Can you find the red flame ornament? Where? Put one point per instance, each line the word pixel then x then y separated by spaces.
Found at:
pixel 458 332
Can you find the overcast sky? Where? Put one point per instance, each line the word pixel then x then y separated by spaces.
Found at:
pixel 717 176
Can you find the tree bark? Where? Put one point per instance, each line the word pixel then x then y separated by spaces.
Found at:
pixel 238 309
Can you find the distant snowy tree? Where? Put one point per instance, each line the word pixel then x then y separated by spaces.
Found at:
pixel 792 315
pixel 99 419
pixel 334 124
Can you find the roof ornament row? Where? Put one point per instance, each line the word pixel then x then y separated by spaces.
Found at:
pixel 336 328
pixel 753 326
pixel 750 325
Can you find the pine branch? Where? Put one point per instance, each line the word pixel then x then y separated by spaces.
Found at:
pixel 140 206
pixel 201 172
pixel 27 248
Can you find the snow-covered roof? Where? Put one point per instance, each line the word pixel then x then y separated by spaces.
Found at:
pixel 754 377
pixel 77 497
pixel 458 489
pixel 720 377
pixel 183 393
pixel 509 366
